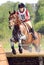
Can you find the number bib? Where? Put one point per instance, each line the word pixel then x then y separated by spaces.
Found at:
pixel 22 16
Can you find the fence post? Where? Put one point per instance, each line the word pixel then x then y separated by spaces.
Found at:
pixel 40 60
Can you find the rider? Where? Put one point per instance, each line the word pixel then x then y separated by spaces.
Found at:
pixel 24 16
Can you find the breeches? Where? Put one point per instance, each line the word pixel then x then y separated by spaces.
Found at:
pixel 29 23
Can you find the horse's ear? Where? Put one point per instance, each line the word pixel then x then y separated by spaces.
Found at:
pixel 14 11
pixel 9 12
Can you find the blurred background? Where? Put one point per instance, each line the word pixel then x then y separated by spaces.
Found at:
pixel 36 9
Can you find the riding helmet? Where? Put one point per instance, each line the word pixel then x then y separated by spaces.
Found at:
pixel 21 5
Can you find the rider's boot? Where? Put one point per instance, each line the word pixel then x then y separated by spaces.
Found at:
pixel 33 34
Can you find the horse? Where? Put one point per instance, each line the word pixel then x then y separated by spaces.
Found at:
pixel 21 35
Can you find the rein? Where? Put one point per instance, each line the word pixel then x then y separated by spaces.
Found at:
pixel 25 26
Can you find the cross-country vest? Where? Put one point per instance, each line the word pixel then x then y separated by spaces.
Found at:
pixel 24 16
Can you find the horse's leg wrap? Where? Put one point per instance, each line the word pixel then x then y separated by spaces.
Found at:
pixel 23 37
pixel 37 47
pixel 30 48
pixel 20 46
pixel 11 42
pixel 12 46
pixel 13 50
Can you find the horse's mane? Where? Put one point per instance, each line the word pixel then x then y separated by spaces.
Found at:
pixel 18 20
pixel 16 28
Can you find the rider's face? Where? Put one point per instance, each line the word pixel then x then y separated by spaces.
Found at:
pixel 21 9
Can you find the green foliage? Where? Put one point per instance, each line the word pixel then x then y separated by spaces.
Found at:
pixel 32 14
pixel 40 11
pixel 4 9
pixel 15 7
pixel 39 27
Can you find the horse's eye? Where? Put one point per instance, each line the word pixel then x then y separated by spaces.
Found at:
pixel 9 19
pixel 14 17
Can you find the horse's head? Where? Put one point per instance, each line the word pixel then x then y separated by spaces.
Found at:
pixel 13 19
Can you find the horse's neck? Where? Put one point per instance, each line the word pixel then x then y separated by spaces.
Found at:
pixel 22 26
pixel 23 29
pixel 19 21
pixel 16 28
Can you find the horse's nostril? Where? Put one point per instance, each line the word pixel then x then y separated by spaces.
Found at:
pixel 9 22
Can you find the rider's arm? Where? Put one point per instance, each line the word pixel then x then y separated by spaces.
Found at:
pixel 17 12
pixel 27 15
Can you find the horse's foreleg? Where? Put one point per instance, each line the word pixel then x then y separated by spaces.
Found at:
pixel 12 46
pixel 20 46
pixel 30 48
pixel 23 37
pixel 37 47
